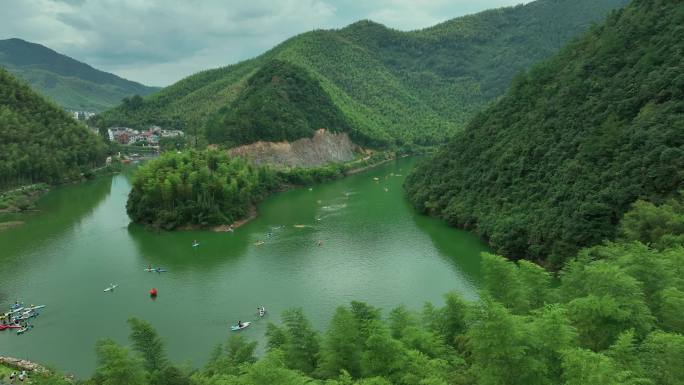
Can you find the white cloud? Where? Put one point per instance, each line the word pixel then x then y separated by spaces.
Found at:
pixel 159 42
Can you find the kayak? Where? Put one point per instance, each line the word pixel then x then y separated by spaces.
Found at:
pixel 111 288
pixel 35 307
pixel 25 316
pixel 195 244
pixel 155 269
pixel 24 330
pixel 244 326
pixel 3 327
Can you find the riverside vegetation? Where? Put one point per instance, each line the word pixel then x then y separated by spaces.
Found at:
pixel 39 142
pixel 385 87
pixel 554 164
pixel 613 317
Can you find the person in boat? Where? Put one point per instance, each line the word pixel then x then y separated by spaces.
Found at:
pixel 239 324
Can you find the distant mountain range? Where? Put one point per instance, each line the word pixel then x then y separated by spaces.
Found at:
pixel 385 87
pixel 69 83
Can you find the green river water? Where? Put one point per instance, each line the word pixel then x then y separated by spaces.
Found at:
pixel 375 248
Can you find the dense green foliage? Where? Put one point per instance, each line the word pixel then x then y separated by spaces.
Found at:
pixel 196 188
pixel 391 87
pixel 39 142
pixel 554 164
pixel 613 317
pixel 69 83
pixel 204 188
pixel 280 101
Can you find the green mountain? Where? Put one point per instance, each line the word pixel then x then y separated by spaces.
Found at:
pixel 280 101
pixel 390 87
pixel 555 163
pixel 68 82
pixel 40 142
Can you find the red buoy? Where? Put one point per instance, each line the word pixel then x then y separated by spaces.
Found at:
pixel 153 292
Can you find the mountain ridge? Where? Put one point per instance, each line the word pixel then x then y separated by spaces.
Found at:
pixel 555 163
pixel 416 87
pixel 70 83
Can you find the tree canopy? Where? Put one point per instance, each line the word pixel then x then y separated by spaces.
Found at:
pixel 554 164
pixel 39 142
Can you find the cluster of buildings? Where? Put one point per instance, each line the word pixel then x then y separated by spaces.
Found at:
pixel 149 137
pixel 82 115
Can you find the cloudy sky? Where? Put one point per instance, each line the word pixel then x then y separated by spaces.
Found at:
pixel 158 42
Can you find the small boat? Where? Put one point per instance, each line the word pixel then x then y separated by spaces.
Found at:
pixel 376 179
pixel 262 311
pixel 259 243
pixel 13 326
pixel 155 269
pixel 237 327
pixel 24 329
pixel 111 288
pixel 35 307
pixel 25 316
pixel 195 244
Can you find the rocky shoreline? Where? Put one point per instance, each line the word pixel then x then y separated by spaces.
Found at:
pixel 19 364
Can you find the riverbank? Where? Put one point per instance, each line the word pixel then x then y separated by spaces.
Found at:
pixel 21 198
pixel 13 364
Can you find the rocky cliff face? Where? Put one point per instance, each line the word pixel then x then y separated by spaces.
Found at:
pixel 325 147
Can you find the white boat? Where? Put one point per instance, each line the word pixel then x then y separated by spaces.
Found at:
pixel 111 288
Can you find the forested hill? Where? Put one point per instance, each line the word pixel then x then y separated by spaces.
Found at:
pixel 390 87
pixel 40 142
pixel 71 84
pixel 554 164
